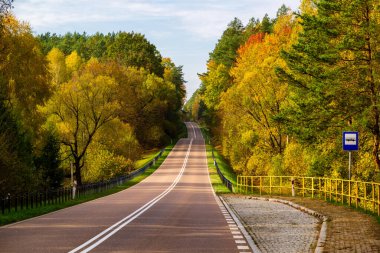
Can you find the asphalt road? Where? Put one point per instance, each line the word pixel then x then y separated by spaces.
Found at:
pixel 173 210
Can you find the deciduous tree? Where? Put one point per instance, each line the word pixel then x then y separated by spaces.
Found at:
pixel 79 109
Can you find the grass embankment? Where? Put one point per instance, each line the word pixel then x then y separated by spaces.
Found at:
pixel 146 158
pixel 29 213
pixel 224 167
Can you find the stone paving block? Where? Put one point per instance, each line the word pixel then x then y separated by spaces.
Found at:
pixel 277 227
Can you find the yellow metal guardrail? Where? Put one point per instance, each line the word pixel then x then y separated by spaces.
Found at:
pixel 365 195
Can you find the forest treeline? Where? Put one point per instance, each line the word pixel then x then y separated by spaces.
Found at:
pixel 278 93
pixel 94 101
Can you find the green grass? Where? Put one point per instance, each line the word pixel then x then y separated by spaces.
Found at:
pixel 224 167
pixel 26 214
pixel 216 182
pixel 146 158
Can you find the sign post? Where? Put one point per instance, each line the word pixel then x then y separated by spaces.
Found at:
pixel 350 143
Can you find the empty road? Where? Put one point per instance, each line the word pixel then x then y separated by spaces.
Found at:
pixel 173 210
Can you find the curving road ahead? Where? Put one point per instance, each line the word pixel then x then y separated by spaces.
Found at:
pixel 173 210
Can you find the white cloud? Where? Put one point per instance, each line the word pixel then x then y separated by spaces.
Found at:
pixel 205 18
pixel 184 29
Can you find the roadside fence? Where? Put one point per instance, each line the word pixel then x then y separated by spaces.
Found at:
pixel 30 200
pixel 363 195
pixel 225 180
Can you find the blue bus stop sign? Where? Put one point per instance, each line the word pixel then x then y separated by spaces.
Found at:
pixel 350 141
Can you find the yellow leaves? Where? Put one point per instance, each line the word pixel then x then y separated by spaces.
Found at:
pixel 157 87
pixel 83 105
pixel 73 62
pixel 12 26
pixel 216 82
pixel 256 98
pixel 308 7
pixel 103 164
pixel 249 138
pixel 120 138
pixel 57 66
pixel 295 160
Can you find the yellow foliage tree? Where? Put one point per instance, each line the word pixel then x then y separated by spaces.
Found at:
pixel 251 105
pixel 23 69
pixel 57 66
pixel 79 109
pixel 73 63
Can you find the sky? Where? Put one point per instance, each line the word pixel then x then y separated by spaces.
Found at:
pixel 184 30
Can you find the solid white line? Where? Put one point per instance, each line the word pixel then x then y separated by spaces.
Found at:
pixel 248 238
pixel 116 227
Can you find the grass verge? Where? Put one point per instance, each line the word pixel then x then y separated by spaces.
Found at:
pixel 30 213
pixel 146 158
pixel 224 167
pixel 216 182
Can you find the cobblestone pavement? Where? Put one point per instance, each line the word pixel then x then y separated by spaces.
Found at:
pixel 276 227
pixel 348 230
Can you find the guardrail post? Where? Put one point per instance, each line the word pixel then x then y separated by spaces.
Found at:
pixel 373 198
pixel 261 184
pixel 293 190
pixel 365 195
pixel 270 186
pixel 251 185
pixel 312 187
pixel 356 184
pixel 330 188
pixel 349 192
pixel 303 187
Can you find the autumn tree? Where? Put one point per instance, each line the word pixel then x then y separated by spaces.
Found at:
pixel 79 109
pixel 73 63
pixel 23 67
pixel 251 135
pixel 23 86
pixel 57 66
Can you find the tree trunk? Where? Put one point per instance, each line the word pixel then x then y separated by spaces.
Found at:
pixel 78 175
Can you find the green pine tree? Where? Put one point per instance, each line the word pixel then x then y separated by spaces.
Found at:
pixel 333 71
